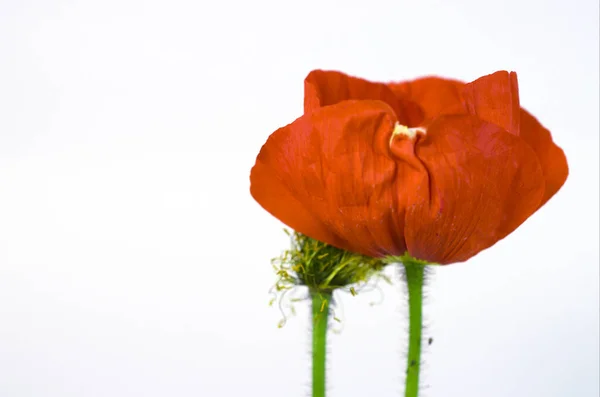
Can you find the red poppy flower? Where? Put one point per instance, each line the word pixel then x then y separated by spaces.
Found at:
pixel 433 167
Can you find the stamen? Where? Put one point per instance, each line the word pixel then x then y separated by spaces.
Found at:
pixel 411 133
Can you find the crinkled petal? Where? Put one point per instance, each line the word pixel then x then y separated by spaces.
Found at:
pixel 433 94
pixel 483 183
pixel 551 157
pixel 336 162
pixel 494 98
pixel 324 88
pixel 275 195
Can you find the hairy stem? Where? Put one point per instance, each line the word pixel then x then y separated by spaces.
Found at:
pixel 414 279
pixel 320 319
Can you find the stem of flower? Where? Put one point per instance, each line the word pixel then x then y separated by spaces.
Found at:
pixel 320 319
pixel 414 280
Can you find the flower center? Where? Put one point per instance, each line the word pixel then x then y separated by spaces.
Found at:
pixel 402 130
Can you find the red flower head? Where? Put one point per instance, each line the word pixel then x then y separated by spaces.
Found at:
pixel 433 167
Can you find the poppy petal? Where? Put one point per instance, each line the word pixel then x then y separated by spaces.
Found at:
pixel 494 98
pixel 483 183
pixel 324 88
pixel 336 162
pixel 551 157
pixel 433 94
pixel 275 196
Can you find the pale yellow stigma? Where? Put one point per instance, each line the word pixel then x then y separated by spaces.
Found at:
pixel 411 133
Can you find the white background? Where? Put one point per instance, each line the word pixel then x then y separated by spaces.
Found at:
pixel 134 262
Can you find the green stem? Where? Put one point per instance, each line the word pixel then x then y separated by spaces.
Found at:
pixel 320 319
pixel 414 279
